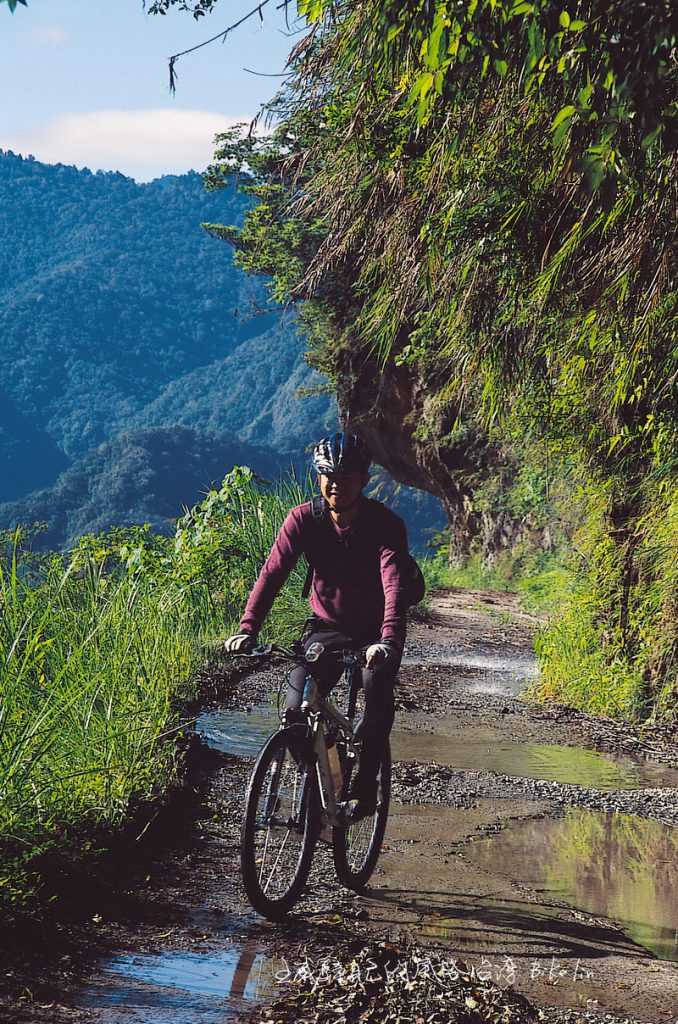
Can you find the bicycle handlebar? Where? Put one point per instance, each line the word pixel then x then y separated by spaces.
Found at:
pixel 348 656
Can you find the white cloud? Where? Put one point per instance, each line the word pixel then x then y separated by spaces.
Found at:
pixel 141 143
pixel 50 35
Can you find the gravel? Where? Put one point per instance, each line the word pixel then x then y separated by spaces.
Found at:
pixel 425 783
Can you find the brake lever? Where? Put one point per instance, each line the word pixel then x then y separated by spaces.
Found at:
pixel 257 652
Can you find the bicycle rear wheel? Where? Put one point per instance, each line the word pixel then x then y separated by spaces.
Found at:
pixel 281 823
pixel 356 847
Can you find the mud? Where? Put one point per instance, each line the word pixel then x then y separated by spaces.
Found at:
pixel 537 842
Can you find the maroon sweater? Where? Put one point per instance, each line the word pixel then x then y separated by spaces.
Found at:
pixel 357 571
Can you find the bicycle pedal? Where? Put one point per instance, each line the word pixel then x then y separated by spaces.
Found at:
pixel 345 813
pixel 358 810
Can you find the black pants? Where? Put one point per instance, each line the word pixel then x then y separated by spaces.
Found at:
pixel 378 683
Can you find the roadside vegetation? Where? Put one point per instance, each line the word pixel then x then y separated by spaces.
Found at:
pixel 542 580
pixel 474 206
pixel 99 651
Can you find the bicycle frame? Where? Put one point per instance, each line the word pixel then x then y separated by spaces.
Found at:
pixel 320 709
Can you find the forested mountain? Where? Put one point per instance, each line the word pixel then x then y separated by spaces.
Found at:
pixel 117 308
pixel 142 476
pixel 138 361
pixel 28 455
pixel 262 375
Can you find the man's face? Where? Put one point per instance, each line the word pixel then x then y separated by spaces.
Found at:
pixel 341 491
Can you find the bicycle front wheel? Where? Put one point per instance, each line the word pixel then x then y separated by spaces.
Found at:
pixel 281 823
pixel 356 847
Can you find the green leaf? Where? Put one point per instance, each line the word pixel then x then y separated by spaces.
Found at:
pixel 594 171
pixel 417 85
pixel 564 19
pixel 311 9
pixel 437 44
pixel 420 90
pixel 651 137
pixel 584 95
pixel 501 67
pixel 521 8
pixel 424 84
pixel 564 114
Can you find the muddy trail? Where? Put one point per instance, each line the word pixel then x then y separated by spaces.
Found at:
pixel 534 843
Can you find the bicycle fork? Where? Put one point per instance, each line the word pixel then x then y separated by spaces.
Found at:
pixel 272 798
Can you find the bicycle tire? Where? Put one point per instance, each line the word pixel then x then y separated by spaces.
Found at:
pixel 282 803
pixel 355 855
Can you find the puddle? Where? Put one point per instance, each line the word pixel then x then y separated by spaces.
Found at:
pixel 238 732
pixel 242 733
pixel 482 673
pixel 574 765
pixel 616 865
pixel 184 986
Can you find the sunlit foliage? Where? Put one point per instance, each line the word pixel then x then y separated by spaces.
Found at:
pixel 99 651
pixel 481 197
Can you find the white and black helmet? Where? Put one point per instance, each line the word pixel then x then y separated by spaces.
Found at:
pixel 342 453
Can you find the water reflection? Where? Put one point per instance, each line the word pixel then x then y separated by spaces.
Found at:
pixel 617 865
pixel 242 733
pixel 188 986
pixel 481 674
pixel 574 765
pixel 238 732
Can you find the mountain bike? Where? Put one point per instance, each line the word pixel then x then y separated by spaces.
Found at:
pixel 300 786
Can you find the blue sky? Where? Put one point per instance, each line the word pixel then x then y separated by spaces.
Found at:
pixel 85 82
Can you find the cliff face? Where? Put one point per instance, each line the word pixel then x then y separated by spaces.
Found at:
pixel 419 438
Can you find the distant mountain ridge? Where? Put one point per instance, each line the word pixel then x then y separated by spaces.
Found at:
pixel 111 292
pixel 142 476
pixel 129 338
pixel 263 374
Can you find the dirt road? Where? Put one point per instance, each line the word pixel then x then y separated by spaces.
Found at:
pixel 538 844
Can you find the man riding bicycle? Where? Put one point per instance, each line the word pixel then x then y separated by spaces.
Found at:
pixel 357 549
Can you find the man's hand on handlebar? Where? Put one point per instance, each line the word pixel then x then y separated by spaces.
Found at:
pixel 377 654
pixel 247 644
pixel 240 643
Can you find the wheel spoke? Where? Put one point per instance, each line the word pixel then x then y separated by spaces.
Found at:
pixel 278 838
pixel 356 847
pixel 275 864
pixel 281 805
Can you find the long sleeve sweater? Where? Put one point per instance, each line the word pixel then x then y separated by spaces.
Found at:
pixel 358 571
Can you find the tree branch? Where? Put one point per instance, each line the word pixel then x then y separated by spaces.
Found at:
pixel 220 35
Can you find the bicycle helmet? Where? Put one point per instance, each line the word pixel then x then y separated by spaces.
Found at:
pixel 343 453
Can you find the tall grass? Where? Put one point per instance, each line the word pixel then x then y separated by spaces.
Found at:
pixel 613 649
pixel 543 580
pixel 99 649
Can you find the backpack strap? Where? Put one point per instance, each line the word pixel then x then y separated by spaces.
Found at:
pixel 318 506
pixel 318 509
